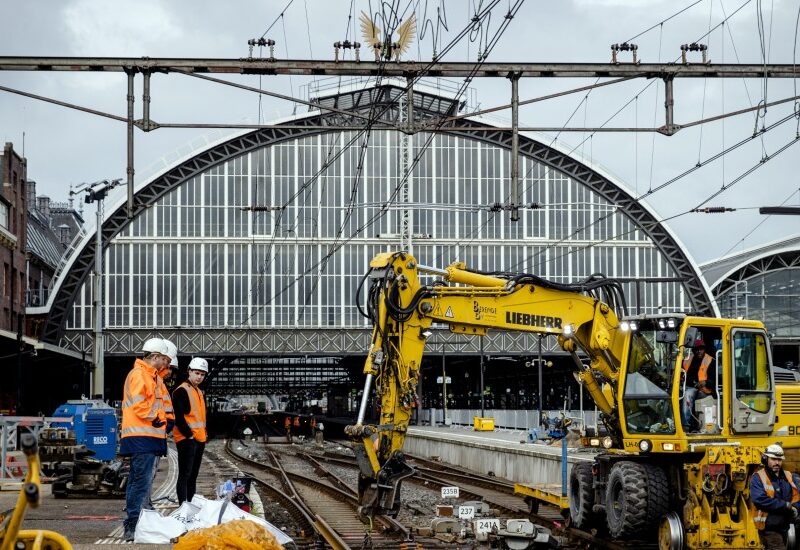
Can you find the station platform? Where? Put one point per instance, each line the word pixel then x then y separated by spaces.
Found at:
pixel 97 523
pixel 504 453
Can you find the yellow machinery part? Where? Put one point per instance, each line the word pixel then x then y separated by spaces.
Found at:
pixel 716 513
pixel 29 495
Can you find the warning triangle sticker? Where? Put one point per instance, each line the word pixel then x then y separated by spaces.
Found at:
pixel 449 312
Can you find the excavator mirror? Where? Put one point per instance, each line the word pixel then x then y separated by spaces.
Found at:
pixel 666 336
pixel 690 337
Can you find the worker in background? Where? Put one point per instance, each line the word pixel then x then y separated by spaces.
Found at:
pixel 162 393
pixel 774 499
pixel 320 434
pixel 190 428
pixel 144 425
pixel 700 371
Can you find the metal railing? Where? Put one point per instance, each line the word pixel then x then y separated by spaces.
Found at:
pixel 36 297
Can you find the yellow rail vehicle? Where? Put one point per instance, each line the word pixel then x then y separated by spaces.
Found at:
pixel 690 484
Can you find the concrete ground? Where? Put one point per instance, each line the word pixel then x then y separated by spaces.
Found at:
pixel 95 523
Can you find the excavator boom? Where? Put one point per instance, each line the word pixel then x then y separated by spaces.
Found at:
pixel 402 309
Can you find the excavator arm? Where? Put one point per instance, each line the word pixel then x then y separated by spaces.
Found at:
pixel 402 308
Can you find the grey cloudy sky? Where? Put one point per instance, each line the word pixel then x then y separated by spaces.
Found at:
pixel 64 146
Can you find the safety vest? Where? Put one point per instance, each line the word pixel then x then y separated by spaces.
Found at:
pixel 760 516
pixel 196 417
pixel 702 373
pixel 140 405
pixel 163 393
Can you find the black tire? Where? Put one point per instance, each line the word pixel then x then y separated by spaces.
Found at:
pixel 658 494
pixel 626 500
pixel 581 496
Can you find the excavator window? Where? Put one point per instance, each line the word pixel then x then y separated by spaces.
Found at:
pixel 646 399
pixel 751 371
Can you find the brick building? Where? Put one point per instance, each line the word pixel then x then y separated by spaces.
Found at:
pixel 52 227
pixel 13 236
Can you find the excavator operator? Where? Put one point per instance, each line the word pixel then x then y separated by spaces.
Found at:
pixel 700 370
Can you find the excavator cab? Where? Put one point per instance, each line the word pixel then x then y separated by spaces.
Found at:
pixel 674 389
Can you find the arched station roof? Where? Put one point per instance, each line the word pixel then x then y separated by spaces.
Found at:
pixel 724 273
pixel 80 264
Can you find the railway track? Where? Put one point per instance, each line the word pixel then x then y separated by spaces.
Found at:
pixel 327 508
pixel 499 494
pixel 323 502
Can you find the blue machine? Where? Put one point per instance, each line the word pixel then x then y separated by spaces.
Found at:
pixel 94 423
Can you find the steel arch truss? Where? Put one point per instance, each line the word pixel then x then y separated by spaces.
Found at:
pixel 54 328
pixel 217 343
pixel 760 266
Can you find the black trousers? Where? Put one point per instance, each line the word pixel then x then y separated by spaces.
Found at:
pixel 190 454
pixel 773 540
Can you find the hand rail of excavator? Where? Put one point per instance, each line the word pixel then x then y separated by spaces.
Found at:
pixel 29 495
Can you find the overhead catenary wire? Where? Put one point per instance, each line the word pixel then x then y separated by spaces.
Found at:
pixel 660 23
pixel 727 17
pixel 655 114
pixel 719 155
pixel 484 11
pixel 794 67
pixel 725 209
pixel 705 85
pixel 699 164
pixel 654 223
pixel 277 18
pixel 651 82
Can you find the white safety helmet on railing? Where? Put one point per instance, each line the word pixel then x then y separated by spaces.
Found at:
pixel 155 345
pixel 172 351
pixel 198 363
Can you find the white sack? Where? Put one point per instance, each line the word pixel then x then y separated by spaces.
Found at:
pixel 153 528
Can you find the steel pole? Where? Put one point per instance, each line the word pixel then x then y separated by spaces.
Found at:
pixel 444 389
pixel 541 390
pixel 515 195
pixel 98 382
pixel 146 102
pixel 483 414
pixel 669 107
pixel 130 170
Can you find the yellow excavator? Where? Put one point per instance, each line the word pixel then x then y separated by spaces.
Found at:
pixel 652 474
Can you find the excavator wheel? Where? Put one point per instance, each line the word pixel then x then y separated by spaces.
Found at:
pixel 658 494
pixel 671 535
pixel 581 496
pixel 626 500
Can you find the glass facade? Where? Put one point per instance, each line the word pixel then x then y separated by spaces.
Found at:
pixel 281 236
pixel 772 297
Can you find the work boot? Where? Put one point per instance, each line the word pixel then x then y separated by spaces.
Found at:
pixel 127 536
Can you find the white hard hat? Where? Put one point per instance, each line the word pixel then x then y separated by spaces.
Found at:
pixel 198 363
pixel 774 451
pixel 172 351
pixel 155 345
